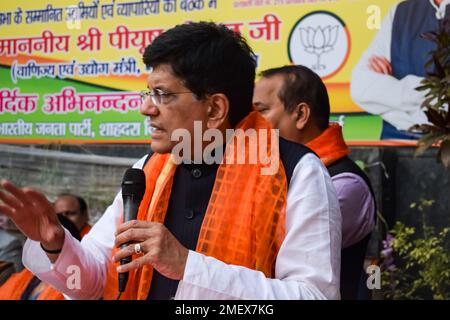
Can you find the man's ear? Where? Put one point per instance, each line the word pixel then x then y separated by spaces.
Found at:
pixel 218 107
pixel 302 113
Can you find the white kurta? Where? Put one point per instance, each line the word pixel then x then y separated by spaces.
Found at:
pixel 307 265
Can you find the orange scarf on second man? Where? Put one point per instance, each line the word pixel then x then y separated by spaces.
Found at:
pixel 244 223
pixel 330 145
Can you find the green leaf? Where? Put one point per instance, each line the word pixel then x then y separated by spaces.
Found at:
pixel 360 164
pixel 425 128
pixel 426 103
pixel 439 69
pixel 432 36
pixel 446 80
pixel 427 141
pixel 444 153
pixel 435 117
pixel 422 88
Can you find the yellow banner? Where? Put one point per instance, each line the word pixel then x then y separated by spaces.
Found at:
pixel 100 43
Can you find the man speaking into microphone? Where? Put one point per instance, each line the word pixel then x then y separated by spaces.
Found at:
pixel 223 229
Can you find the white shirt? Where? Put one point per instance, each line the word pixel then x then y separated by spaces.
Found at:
pixel 396 100
pixel 307 265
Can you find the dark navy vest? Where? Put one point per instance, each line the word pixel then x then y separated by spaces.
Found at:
pixel 191 190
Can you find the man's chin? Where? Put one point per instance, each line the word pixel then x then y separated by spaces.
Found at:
pixel 160 147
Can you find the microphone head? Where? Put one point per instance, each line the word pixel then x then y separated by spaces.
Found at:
pixel 133 184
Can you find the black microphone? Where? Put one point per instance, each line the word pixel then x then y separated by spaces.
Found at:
pixel 133 189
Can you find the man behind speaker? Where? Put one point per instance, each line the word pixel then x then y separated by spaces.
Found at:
pixel 203 231
pixel 74 208
pixel 295 100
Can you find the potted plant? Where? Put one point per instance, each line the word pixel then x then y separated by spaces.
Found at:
pixel 436 105
pixel 416 261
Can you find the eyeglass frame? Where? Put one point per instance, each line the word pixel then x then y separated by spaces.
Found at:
pixel 159 94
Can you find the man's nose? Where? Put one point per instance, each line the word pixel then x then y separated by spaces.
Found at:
pixel 148 108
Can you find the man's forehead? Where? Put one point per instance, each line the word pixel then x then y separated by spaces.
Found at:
pixel 66 200
pixel 162 73
pixel 274 81
pixel 268 85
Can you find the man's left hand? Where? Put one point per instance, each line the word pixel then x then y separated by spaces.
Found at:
pixel 159 248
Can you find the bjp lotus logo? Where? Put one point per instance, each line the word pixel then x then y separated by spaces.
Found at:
pixel 320 40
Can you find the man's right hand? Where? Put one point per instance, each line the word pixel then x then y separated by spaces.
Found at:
pixel 34 215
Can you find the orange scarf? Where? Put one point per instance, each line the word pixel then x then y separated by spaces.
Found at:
pixel 85 230
pixel 18 282
pixel 330 145
pixel 15 286
pixel 244 223
pixel 50 293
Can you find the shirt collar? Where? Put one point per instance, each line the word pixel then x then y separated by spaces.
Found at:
pixel 440 10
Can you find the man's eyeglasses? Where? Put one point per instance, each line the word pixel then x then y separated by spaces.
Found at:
pixel 158 96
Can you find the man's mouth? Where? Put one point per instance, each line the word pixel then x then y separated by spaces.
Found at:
pixel 156 128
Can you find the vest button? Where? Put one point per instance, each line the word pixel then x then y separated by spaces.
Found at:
pixel 189 214
pixel 196 173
